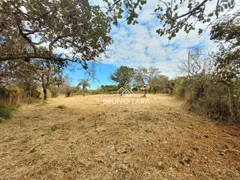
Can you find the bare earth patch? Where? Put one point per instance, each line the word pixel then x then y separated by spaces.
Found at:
pixel 83 138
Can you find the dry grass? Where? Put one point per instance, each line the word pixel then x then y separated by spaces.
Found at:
pixel 92 140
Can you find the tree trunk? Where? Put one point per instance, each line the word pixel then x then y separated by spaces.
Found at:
pixel 45 93
pixel 44 86
pixel 145 92
pixel 232 103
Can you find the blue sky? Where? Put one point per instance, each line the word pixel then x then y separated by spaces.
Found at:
pixel 139 45
pixel 101 76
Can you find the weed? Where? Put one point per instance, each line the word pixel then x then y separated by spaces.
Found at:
pixel 61 107
pixel 54 128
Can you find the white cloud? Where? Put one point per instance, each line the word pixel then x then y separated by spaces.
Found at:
pixel 140 45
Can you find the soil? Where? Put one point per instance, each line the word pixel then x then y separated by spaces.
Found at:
pixel 97 137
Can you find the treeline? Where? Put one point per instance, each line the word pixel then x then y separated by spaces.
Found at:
pixel 204 89
pixel 140 79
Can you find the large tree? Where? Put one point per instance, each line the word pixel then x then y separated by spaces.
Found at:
pixel 123 76
pixel 144 75
pixel 159 83
pixel 70 30
pixel 227 33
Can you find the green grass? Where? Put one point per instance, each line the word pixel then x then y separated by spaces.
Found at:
pixel 6 112
pixel 54 128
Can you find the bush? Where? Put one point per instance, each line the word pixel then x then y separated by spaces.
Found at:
pixel 205 96
pixel 6 112
pixel 54 92
pixel 96 91
pixel 213 108
pixel 61 107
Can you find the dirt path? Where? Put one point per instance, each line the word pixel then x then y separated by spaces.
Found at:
pixel 92 140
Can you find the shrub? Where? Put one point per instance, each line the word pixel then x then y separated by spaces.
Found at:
pixel 205 95
pixel 6 112
pixel 54 92
pixel 54 128
pixel 61 107
pixel 14 94
pixel 96 91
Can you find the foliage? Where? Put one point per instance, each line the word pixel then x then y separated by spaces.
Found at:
pixel 14 92
pixel 227 33
pixel 173 15
pixel 227 59
pixel 6 112
pixel 79 29
pixel 205 95
pixel 159 83
pixel 96 91
pixel 123 76
pixel 144 76
pixel 84 83
pixel 54 92
pixel 109 88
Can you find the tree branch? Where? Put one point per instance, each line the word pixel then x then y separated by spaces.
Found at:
pixel 23 56
pixel 54 41
pixel 193 10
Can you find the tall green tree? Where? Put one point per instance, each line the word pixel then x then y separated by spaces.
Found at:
pixel 123 76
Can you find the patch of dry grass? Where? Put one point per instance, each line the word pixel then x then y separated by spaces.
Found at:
pixel 92 140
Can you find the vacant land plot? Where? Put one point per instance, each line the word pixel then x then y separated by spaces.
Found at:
pixel 87 138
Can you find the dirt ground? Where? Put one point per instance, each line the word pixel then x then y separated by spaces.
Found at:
pixel 154 138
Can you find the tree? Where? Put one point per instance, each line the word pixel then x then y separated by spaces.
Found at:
pixel 48 74
pixel 146 74
pixel 123 76
pixel 139 77
pixel 84 83
pixel 152 72
pixel 70 30
pixel 138 81
pixel 174 15
pixel 195 63
pixel 19 74
pixel 28 75
pixel 159 83
pixel 226 32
